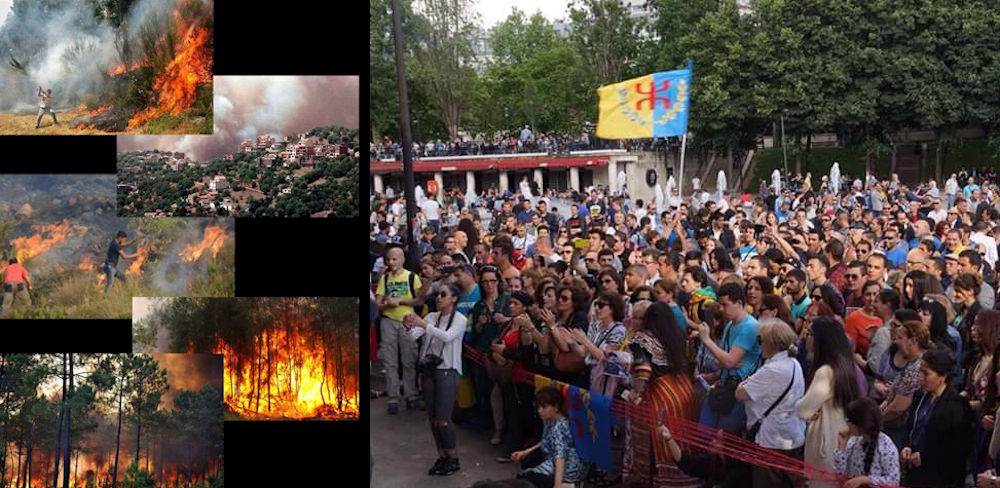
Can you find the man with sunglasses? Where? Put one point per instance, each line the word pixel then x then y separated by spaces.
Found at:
pixel 854 276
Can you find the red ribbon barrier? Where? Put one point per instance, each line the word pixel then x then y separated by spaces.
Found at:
pixel 693 434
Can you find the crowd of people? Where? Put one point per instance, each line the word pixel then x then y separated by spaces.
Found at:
pixel 522 141
pixel 852 324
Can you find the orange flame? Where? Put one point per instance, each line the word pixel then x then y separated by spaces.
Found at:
pixel 135 267
pixel 287 380
pixel 215 237
pixel 29 247
pixel 177 85
pixel 121 68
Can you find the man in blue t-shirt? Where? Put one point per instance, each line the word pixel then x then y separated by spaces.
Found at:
pixel 738 354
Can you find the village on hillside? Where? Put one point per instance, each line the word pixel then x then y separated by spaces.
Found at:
pixel 312 174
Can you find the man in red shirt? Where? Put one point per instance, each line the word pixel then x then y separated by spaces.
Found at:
pixel 862 322
pixel 15 284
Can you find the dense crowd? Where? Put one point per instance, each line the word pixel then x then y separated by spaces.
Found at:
pixel 852 325
pixel 524 141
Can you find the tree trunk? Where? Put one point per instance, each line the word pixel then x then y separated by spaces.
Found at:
pixel 118 437
pixel 27 459
pixel 323 383
pixel 267 337
pixel 59 433
pixel 69 424
pixel 260 350
pixel 138 431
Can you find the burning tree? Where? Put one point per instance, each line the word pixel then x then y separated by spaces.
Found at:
pixel 284 357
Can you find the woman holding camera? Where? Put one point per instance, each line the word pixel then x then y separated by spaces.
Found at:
pixel 440 365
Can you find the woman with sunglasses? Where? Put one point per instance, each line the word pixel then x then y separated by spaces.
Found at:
pixel 488 315
pixel 440 360
pixel 604 334
pixel 773 307
pixel 571 305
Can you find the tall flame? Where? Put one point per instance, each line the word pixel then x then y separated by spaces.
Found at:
pixel 213 240
pixel 136 266
pixel 177 86
pixel 46 237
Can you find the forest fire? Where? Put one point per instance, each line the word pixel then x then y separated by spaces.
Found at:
pixel 177 86
pixel 286 379
pixel 215 237
pixel 46 237
pixel 129 434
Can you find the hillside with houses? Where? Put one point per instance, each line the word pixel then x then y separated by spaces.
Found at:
pixel 311 174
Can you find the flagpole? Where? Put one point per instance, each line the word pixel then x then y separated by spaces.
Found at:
pixel 680 184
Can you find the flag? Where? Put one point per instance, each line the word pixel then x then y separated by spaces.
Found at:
pixel 655 105
pixel 590 419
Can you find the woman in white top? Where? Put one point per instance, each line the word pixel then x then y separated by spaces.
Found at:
pixel 776 386
pixel 440 365
pixel 834 385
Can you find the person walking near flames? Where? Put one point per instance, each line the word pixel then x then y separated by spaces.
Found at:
pixel 45 106
pixel 116 250
pixel 16 284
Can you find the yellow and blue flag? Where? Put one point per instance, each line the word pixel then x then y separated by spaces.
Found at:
pixel 589 414
pixel 655 105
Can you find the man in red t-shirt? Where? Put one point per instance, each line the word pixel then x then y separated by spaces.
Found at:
pixel 16 284
pixel 860 321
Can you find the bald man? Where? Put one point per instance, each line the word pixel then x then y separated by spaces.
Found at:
pixel 916 260
pixel 396 295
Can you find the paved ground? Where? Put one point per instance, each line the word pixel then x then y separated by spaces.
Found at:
pixel 404 451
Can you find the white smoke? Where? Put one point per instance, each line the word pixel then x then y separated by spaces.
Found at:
pixel 39 39
pixel 249 106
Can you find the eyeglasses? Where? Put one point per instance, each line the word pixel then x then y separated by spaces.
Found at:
pixel 565 298
pixel 570 251
pixel 444 294
pixel 590 260
pixel 851 276
pixel 600 305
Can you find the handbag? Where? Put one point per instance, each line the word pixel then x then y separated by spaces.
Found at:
pixel 751 434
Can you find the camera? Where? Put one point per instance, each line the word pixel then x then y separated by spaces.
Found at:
pixel 428 364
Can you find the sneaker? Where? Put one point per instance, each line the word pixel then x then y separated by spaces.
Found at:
pixel 436 469
pixel 450 467
pixel 495 440
pixel 393 408
pixel 504 459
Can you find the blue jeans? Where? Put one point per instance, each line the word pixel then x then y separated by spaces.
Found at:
pixel 110 273
pixel 734 422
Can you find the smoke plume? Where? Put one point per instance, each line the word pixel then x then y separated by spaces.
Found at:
pixel 190 372
pixel 65 47
pixel 248 106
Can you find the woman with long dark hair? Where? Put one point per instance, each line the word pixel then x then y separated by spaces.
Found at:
pixel 833 386
pixel 980 385
pixel 756 288
pixel 660 380
pixel 933 315
pixel 864 453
